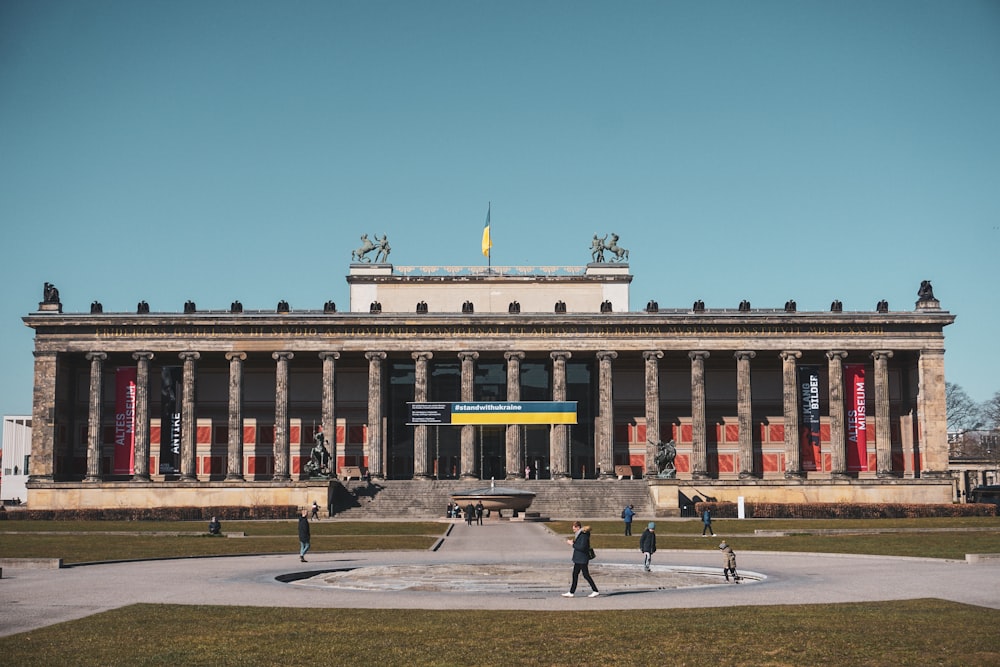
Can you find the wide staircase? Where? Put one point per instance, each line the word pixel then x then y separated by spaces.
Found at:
pixel 556 499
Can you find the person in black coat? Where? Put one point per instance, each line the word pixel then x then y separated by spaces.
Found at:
pixel 303 535
pixel 581 558
pixel 647 545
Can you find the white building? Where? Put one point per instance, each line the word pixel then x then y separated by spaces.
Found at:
pixel 16 456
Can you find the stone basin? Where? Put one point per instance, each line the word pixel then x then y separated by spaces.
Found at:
pixel 495 498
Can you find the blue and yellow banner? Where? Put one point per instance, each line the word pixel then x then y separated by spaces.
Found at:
pixel 493 412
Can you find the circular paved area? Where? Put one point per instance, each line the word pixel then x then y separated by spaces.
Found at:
pixel 37 598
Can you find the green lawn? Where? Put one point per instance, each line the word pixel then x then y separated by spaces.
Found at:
pixel 913 632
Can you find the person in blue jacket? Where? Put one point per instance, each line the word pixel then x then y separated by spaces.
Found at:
pixel 628 514
pixel 581 558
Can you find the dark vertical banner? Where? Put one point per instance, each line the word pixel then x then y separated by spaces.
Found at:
pixel 857 431
pixel 170 419
pixel 809 444
pixel 125 388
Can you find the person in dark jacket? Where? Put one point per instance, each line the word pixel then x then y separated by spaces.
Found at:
pixel 479 512
pixel 581 558
pixel 214 526
pixel 628 514
pixel 647 545
pixel 470 514
pixel 303 535
pixel 706 520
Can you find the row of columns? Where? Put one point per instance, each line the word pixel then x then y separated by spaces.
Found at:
pixel 930 367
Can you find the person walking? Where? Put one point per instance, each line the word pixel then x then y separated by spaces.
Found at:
pixel 581 559
pixel 628 514
pixel 647 545
pixel 315 510
pixel 304 535
pixel 729 563
pixel 706 520
pixel 479 512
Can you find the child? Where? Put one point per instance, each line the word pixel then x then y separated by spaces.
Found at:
pixel 730 562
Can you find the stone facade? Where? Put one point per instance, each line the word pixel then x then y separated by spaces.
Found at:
pixel 255 387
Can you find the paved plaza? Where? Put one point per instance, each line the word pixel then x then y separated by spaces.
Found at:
pixel 500 565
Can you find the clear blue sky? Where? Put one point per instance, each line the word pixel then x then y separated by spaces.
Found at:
pixel 222 150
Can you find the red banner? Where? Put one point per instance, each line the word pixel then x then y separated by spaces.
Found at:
pixel 810 457
pixel 125 388
pixel 857 432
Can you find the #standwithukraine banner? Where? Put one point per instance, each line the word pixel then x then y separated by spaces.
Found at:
pixel 493 412
pixel 125 388
pixel 857 431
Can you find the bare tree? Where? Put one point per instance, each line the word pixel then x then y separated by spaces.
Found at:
pixel 990 412
pixel 963 412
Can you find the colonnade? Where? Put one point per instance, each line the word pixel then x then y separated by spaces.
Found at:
pixel 930 411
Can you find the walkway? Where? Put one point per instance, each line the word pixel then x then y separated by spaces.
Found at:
pixel 35 598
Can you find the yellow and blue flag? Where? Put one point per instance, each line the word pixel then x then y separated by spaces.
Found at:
pixel 487 241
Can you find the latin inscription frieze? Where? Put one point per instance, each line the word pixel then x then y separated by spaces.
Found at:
pixel 466 331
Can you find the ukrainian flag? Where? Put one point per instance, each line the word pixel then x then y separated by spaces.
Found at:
pixel 487 241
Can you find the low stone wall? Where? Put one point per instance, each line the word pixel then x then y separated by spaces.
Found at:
pixel 673 496
pixel 110 495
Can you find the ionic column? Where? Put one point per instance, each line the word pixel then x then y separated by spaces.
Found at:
pixel 515 454
pixel 374 445
pixel 652 358
pixel 43 411
pixel 558 435
pixel 883 437
pixel 606 415
pixel 932 414
pixel 141 473
pixel 744 411
pixel 421 457
pixel 790 395
pixel 189 424
pixel 282 452
pixel 234 446
pixel 468 430
pixel 838 451
pixel 699 445
pixel 328 416
pixel 96 360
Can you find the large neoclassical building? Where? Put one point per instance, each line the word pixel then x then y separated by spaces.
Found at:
pixel 218 407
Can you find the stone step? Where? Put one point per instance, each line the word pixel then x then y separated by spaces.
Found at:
pixel 555 498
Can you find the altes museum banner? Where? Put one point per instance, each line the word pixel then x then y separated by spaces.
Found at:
pixel 125 392
pixel 857 432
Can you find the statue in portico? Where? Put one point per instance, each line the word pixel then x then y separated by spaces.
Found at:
pixel 319 459
pixel 666 452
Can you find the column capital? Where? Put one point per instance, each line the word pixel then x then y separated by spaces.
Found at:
pixel 38 354
pixel 375 356
pixel 189 356
pixel 283 355
pixel 742 355
pixel 329 355
pixel 139 356
pixel 422 356
pixel 649 355
pixel 881 354
pixel 790 355
pixel 239 356
pixel 514 354
pixel 606 355
pixel 97 356
pixel 468 355
pixel 699 355
pixel 836 354
pixel 560 355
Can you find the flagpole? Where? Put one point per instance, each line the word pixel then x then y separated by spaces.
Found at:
pixel 489 254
